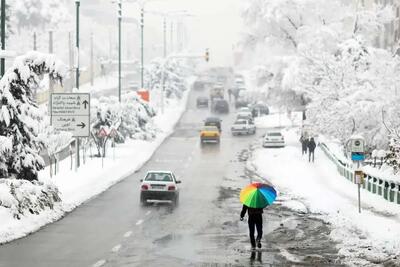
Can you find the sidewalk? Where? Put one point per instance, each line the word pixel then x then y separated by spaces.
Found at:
pixel 326 193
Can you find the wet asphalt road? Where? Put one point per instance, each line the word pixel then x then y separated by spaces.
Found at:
pixel 113 229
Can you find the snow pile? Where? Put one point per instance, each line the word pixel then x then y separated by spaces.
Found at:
pixel 323 191
pixel 22 198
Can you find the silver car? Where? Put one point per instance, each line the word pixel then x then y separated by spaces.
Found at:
pixel 273 139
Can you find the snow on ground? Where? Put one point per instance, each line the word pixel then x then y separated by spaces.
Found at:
pixel 91 178
pixel 101 83
pixel 372 234
pixel 276 119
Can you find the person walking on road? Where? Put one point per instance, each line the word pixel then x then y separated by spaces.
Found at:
pixel 230 94
pixel 255 220
pixel 311 148
pixel 304 144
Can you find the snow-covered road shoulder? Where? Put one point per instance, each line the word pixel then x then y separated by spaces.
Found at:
pixel 92 179
pixel 326 194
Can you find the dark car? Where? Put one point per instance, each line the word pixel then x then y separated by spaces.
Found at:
pixel 220 106
pixel 259 110
pixel 202 101
pixel 240 103
pixel 198 85
pixel 213 121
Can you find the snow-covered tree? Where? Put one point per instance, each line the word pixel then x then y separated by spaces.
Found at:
pixel 131 118
pixel 20 116
pixel 174 75
pixel 327 57
pixel 40 13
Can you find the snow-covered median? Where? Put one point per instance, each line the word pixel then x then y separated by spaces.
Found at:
pixel 372 235
pixel 91 178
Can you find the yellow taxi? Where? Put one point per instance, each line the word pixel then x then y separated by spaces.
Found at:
pixel 209 133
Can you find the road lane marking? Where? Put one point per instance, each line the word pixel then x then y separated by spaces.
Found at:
pixel 148 212
pixel 116 248
pixel 139 222
pixel 99 263
pixel 128 234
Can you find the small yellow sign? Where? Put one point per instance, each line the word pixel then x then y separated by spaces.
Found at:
pixel 359 177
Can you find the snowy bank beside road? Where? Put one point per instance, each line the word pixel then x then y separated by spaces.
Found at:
pixel 91 179
pixel 366 237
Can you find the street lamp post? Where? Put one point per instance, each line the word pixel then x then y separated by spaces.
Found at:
pixel 77 3
pixel 119 48
pixel 3 34
pixel 163 64
pixel 141 46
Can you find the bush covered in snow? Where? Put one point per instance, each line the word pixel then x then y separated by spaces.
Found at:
pixel 22 197
pixel 131 118
pixel 20 116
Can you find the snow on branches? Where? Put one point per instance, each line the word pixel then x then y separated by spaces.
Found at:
pixel 173 74
pixel 131 119
pixel 20 116
pixel 329 58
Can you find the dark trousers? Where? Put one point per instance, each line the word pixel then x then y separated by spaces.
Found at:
pixel 309 156
pixel 255 221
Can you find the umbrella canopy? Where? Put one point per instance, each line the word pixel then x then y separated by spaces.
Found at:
pixel 257 195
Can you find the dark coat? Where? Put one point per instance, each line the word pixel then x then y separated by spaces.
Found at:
pixel 250 211
pixel 312 145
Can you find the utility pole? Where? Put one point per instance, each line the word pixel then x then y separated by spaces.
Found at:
pixel 119 48
pixel 171 37
pixel 77 3
pixel 51 84
pixel 3 35
pixel 34 41
pixel 141 46
pixel 71 61
pixel 91 60
pixel 163 65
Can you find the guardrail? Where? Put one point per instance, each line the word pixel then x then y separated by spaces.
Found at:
pixel 389 190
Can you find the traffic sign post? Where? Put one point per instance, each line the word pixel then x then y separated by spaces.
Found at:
pixel 70 112
pixel 357 149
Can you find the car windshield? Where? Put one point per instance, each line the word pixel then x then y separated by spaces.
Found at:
pixel 159 177
pixel 210 128
pixel 274 134
pixel 240 122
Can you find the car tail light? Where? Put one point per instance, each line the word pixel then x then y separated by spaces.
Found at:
pixel 171 188
pixel 145 187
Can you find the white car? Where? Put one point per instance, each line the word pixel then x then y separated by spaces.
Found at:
pixel 244 116
pixel 159 185
pixel 243 127
pixel 244 110
pixel 274 139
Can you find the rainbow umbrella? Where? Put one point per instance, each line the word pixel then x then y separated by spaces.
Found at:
pixel 257 195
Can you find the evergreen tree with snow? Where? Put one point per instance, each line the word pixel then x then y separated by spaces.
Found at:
pixel 20 116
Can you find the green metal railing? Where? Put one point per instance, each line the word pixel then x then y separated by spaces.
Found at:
pixel 387 189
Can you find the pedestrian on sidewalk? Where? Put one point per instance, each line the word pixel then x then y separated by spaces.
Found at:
pixel 304 144
pixel 311 148
pixel 255 220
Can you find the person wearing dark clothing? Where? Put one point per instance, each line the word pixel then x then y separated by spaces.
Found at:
pixel 304 144
pixel 255 221
pixel 230 94
pixel 311 148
